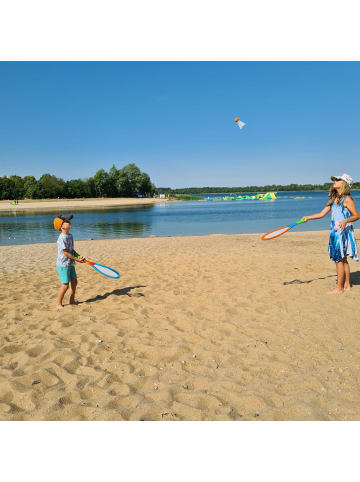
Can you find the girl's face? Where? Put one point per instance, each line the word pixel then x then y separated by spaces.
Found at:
pixel 338 183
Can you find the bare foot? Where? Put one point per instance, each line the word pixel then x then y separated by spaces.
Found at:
pixel 59 307
pixel 347 288
pixel 335 291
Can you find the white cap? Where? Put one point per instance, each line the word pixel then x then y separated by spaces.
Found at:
pixel 343 177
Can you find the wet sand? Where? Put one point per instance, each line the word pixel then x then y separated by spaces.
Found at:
pixel 222 327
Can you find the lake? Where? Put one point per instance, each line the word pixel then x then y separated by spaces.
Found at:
pixel 185 218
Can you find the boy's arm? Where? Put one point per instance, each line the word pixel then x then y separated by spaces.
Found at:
pixel 74 258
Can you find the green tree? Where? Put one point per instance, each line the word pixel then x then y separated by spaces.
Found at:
pixel 18 186
pixel 6 188
pixel 29 186
pixel 49 186
pixel 124 187
pixel 112 183
pixel 145 187
pixel 89 187
pixel 75 188
pixel 101 182
pixel 131 181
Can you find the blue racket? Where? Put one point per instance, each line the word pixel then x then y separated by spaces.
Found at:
pixel 104 270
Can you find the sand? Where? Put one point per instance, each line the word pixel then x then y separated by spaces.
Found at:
pixel 222 327
pixel 67 204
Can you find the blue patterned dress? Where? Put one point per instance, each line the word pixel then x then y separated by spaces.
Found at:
pixel 341 243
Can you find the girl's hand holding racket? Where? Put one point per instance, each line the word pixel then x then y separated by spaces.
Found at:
pixel 305 219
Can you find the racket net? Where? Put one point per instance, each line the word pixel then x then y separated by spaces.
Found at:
pixel 276 233
pixel 106 271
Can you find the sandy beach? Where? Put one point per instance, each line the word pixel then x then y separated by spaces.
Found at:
pixel 68 204
pixel 222 327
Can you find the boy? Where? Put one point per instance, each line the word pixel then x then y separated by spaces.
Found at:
pixel 66 259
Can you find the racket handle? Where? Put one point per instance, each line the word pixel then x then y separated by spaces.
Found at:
pixel 88 262
pixel 295 224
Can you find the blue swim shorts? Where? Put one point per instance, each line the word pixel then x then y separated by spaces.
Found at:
pixel 66 273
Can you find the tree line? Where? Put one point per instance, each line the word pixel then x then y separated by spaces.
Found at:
pixel 268 188
pixel 129 181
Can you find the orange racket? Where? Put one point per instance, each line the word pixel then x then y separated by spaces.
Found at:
pixel 278 232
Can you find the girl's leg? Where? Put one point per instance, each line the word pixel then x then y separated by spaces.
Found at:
pixel 60 296
pixel 72 291
pixel 347 286
pixel 340 271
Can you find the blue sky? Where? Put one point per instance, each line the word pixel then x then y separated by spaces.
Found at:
pixel 175 120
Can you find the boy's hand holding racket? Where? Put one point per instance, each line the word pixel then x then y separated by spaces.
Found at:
pixel 78 258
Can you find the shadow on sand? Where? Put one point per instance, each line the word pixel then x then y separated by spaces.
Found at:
pixel 297 281
pixel 354 279
pixel 118 292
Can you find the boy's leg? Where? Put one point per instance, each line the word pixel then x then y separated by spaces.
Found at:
pixel 73 283
pixel 60 296
pixel 347 286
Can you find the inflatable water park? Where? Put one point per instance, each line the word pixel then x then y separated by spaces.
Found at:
pixel 239 197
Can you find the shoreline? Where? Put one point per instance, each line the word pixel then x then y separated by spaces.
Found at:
pixel 166 236
pixel 57 205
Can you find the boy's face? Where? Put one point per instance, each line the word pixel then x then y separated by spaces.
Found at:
pixel 65 227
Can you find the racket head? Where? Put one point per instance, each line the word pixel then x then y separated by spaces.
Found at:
pixel 106 271
pixel 276 233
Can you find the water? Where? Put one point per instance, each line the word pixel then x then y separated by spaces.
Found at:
pixel 171 219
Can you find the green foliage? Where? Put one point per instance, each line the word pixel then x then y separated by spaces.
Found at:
pixel 29 187
pixel 7 190
pixel 18 186
pixel 75 189
pixel 129 181
pixel 185 197
pixel 101 182
pixel 89 187
pixel 252 189
pixel 48 187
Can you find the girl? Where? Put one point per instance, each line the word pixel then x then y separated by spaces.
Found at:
pixel 342 241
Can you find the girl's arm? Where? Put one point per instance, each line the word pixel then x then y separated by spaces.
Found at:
pixel 319 215
pixel 350 205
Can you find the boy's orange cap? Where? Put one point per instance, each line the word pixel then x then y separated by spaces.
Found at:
pixel 59 220
pixel 58 223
